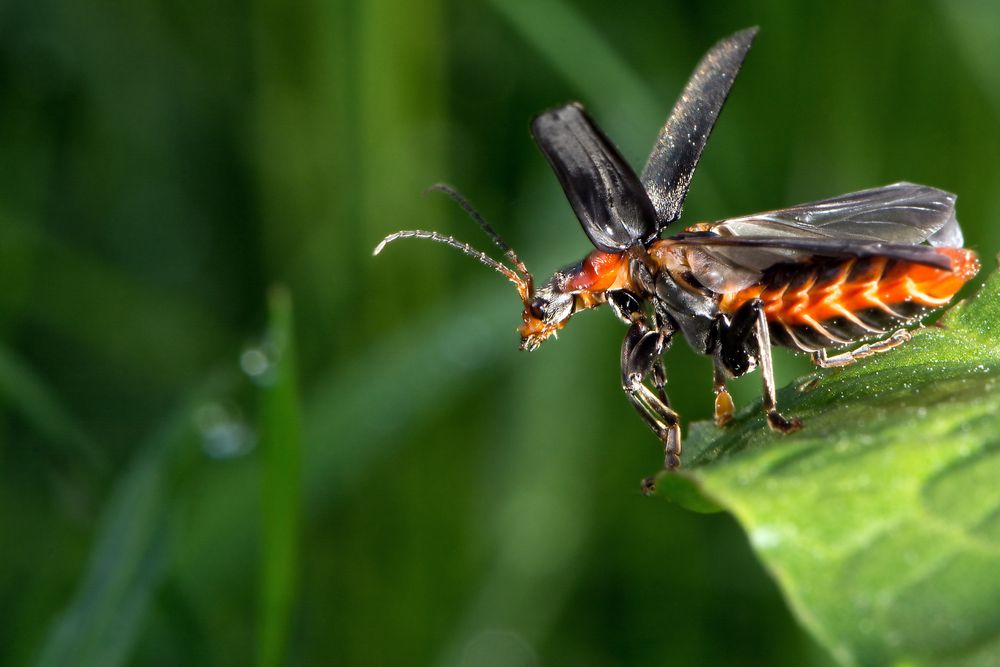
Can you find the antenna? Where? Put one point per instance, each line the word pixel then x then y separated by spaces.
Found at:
pixel 519 275
pixel 467 206
pixel 523 284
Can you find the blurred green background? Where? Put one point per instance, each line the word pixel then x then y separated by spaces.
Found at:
pixel 448 500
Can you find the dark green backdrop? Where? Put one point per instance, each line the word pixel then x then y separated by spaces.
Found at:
pixel 162 164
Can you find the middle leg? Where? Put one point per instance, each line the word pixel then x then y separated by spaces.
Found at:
pixel 745 342
pixel 724 407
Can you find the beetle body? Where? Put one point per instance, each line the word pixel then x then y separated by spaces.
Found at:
pixel 839 302
pixel 812 277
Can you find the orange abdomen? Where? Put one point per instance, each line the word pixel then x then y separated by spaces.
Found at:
pixel 835 302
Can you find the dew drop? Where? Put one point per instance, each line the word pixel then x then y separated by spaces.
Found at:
pixel 224 433
pixel 258 363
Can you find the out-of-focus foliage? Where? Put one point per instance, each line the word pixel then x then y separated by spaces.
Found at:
pixel 163 164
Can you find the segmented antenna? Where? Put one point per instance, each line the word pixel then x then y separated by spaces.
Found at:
pixel 523 286
pixel 459 199
pixel 519 275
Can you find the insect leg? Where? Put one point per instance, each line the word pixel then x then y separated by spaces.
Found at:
pixel 723 401
pixel 641 352
pixel 871 349
pixel 735 355
pixel 659 370
pixel 659 378
pixel 625 305
pixel 628 308
pixel 774 419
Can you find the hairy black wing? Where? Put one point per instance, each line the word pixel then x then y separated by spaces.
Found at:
pixel 892 221
pixel 600 185
pixel 678 147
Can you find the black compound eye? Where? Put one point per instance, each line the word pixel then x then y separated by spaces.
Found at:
pixel 538 307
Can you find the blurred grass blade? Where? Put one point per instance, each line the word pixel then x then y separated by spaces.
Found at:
pixel 581 53
pixel 89 301
pixel 28 394
pixel 544 491
pixel 281 450
pixel 974 25
pixel 100 625
pixel 880 519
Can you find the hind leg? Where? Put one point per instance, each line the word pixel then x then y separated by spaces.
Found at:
pixel 745 343
pixel 869 350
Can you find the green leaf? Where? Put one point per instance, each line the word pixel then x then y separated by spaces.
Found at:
pixel 880 519
pixel 281 449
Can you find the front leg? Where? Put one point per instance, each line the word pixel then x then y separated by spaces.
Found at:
pixel 641 352
pixel 628 308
